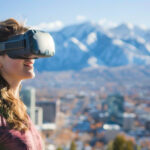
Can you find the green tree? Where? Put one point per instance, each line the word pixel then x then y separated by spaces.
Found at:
pixel 73 146
pixel 110 146
pixel 129 145
pixel 138 147
pixel 59 148
pixel 121 143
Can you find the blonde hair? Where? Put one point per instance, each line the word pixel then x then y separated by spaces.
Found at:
pixel 11 108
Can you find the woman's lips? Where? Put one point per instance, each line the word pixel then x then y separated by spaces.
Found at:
pixel 28 64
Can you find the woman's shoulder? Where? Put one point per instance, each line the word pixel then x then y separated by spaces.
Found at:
pixel 11 139
pixel 8 140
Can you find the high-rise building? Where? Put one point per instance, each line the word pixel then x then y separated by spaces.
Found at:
pixel 115 105
pixel 28 97
pixel 38 116
pixel 50 110
pixel 111 131
pixel 128 121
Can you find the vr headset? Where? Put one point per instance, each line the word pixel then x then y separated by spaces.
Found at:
pixel 31 44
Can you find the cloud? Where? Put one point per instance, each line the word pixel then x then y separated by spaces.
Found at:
pixel 106 23
pixel 80 18
pixel 102 21
pixel 51 26
pixel 143 26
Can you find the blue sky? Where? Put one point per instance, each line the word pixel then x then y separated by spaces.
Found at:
pixel 58 13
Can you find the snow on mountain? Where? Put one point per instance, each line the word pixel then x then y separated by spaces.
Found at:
pixel 92 37
pixel 92 61
pixel 118 42
pixel 123 30
pixel 147 36
pixel 80 45
pixel 139 31
pixel 147 46
pixel 127 30
pixel 140 40
pixel 87 44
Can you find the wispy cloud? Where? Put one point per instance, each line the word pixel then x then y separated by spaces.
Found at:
pixel 51 26
pixel 80 18
pixel 143 26
pixel 106 23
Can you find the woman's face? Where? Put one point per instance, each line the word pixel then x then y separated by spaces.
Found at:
pixel 16 69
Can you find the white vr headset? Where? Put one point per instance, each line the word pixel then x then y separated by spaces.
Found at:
pixel 31 44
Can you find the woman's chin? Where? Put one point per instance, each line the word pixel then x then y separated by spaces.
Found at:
pixel 30 75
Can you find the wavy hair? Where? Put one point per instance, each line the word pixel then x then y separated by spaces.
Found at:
pixel 11 108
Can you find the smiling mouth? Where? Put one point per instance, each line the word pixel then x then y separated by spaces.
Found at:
pixel 29 65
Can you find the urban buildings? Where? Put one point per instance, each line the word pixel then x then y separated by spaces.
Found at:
pixel 42 113
pixel 28 97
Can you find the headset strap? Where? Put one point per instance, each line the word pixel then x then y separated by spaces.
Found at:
pixel 12 45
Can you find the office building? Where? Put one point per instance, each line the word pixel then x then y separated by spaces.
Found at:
pixel 28 97
pixel 115 104
pixel 38 116
pixel 111 131
pixel 50 110
pixel 128 121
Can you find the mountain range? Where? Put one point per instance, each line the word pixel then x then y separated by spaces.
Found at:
pixel 88 44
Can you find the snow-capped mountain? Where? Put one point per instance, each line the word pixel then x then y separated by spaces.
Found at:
pixel 89 45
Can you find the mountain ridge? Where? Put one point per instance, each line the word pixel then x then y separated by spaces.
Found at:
pixel 90 45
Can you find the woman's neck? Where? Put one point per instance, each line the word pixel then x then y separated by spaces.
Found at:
pixel 14 85
pixel 15 88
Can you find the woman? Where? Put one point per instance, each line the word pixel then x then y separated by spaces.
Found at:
pixel 16 129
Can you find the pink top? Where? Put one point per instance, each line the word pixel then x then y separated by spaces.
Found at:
pixel 15 140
